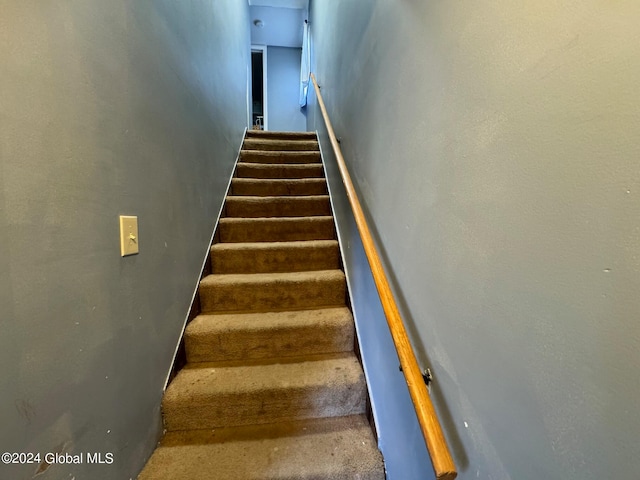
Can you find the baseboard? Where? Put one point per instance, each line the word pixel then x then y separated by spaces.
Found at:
pixel 179 356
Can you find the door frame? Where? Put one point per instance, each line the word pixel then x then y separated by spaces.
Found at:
pixel 265 109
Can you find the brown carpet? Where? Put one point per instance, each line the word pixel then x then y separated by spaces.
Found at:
pixel 272 388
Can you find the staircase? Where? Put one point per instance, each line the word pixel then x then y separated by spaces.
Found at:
pixel 272 388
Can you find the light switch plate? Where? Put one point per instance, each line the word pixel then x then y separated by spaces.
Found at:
pixel 128 235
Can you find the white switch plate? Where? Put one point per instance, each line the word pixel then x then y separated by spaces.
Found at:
pixel 128 235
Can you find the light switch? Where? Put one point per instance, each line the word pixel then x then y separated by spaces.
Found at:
pixel 128 235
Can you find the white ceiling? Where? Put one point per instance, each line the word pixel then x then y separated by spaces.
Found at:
pixel 282 20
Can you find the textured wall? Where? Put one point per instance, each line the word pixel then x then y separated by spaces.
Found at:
pixel 106 108
pixel 283 89
pixel 496 148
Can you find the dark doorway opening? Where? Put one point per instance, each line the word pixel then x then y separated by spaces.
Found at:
pixel 258 100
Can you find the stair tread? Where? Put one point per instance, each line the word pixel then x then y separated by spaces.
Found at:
pixel 279 170
pixel 280 181
pixel 321 449
pixel 247 336
pixel 302 144
pixel 280 134
pixel 279 186
pixel 280 219
pixel 265 257
pixel 291 219
pixel 198 381
pixel 271 166
pixel 208 323
pixel 276 198
pixel 273 245
pixel 277 228
pixel 214 395
pixel 281 156
pixel 228 292
pixel 284 153
pixel 252 206
pixel 276 277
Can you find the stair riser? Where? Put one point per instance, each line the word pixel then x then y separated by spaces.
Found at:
pixel 264 407
pixel 280 145
pixel 270 156
pixel 272 295
pixel 276 230
pixel 257 170
pixel 255 207
pixel 254 344
pixel 267 188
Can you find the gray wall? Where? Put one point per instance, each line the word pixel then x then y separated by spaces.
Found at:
pixel 496 149
pixel 106 108
pixel 283 89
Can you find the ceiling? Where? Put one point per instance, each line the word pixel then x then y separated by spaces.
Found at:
pixel 282 22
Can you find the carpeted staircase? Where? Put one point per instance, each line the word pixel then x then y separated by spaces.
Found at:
pixel 272 388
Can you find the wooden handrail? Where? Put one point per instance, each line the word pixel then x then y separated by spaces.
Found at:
pixel 441 459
